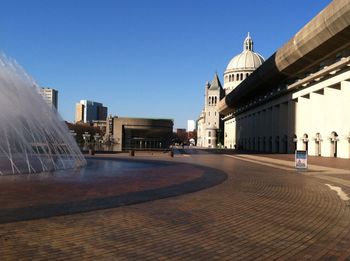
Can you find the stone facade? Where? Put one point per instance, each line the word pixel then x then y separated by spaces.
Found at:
pixel 209 123
pixel 238 69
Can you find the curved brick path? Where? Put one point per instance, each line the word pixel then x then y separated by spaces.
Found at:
pixel 258 213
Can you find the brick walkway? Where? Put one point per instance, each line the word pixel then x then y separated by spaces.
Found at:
pixel 259 213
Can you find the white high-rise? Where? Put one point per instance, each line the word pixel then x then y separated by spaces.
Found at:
pixel 50 96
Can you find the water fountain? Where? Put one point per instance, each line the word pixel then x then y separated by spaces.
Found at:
pixel 33 137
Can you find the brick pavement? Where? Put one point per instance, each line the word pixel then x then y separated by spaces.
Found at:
pixel 259 213
pixel 103 183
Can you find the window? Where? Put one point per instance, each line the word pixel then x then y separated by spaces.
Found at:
pixel 241 76
pixel 209 133
pixel 229 78
pixel 209 141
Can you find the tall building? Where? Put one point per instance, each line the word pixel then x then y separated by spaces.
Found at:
pixel 50 96
pixel 209 124
pixel 88 111
pixel 299 99
pixel 238 69
pixel 79 112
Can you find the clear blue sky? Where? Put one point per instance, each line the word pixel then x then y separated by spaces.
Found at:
pixel 141 58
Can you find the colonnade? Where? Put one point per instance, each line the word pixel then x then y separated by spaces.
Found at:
pixel 316 119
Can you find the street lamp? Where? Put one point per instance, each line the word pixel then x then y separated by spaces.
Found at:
pixel 86 137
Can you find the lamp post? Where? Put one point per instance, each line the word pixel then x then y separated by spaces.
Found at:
pixel 86 137
pixel 73 133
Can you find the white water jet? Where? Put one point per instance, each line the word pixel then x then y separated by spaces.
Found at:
pixel 33 138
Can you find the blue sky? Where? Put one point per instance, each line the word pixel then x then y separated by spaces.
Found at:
pixel 141 58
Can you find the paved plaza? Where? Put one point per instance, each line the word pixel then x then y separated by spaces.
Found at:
pixel 260 209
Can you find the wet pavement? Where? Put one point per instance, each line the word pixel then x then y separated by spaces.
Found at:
pixel 103 183
pixel 265 210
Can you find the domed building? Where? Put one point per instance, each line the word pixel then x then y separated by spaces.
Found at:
pixel 241 66
pixel 212 130
pixel 237 70
pixel 299 99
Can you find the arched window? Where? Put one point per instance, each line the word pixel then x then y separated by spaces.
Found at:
pixel 237 77
pixel 246 75
pixel 215 100
pixel 209 100
pixel 241 76
pixel 229 78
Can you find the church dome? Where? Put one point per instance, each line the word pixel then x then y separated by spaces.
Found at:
pixel 248 59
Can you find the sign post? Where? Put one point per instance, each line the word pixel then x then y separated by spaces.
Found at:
pixel 301 159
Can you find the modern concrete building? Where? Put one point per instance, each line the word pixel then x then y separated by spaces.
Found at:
pixel 141 134
pixel 88 111
pixel 209 123
pixel 299 98
pixel 50 96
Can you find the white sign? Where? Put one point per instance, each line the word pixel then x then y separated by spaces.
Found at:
pixel 301 159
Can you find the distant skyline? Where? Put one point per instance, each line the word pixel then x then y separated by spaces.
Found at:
pixel 141 58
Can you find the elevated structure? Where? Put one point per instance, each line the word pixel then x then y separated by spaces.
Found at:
pixel 299 98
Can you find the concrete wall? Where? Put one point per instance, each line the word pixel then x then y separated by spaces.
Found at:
pixel 316 118
pixel 157 131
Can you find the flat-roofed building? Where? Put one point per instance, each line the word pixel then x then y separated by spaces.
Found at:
pixel 50 96
pixel 140 133
pixel 88 111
